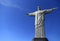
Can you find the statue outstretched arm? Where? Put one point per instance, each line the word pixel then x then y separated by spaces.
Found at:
pixel 49 10
pixel 31 14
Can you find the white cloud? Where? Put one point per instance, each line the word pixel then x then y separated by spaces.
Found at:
pixel 9 3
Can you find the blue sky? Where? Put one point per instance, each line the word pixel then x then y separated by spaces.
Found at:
pixel 15 25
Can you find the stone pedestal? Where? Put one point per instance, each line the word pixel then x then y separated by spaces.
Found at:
pixel 40 39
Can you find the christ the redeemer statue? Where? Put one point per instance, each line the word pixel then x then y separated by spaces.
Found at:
pixel 39 21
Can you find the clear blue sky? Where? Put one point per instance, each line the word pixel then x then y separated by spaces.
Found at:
pixel 15 25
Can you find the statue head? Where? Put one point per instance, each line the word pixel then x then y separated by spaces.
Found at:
pixel 38 8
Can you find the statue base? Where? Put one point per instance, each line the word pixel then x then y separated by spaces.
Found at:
pixel 40 39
